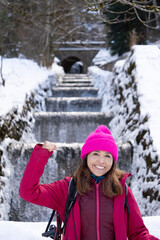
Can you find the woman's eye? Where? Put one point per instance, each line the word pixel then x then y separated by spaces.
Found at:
pixel 95 154
pixel 108 156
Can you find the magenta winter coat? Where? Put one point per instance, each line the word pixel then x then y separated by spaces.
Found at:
pixel 54 196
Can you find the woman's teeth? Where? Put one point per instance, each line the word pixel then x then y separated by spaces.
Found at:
pixel 99 167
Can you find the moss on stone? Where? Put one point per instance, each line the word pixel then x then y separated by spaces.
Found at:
pixel 13 124
pixel 153 195
pixel 131 67
pixel 2 165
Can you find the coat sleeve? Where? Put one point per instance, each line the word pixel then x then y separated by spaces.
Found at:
pixel 136 228
pixel 51 195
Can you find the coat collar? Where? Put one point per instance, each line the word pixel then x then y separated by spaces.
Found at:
pixel 97 179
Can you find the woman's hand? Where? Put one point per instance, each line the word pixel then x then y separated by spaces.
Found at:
pixel 50 146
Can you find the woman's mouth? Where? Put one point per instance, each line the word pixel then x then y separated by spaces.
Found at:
pixel 99 167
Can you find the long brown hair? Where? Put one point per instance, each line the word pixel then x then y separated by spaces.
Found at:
pixel 111 183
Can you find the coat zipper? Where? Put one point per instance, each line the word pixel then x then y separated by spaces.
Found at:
pixel 97 205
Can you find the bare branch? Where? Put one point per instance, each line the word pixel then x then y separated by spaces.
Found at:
pixel 146 6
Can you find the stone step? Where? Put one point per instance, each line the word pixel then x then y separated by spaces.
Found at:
pixel 73 104
pixel 62 163
pixel 73 85
pixel 74 92
pixel 76 76
pixel 76 81
pixel 68 126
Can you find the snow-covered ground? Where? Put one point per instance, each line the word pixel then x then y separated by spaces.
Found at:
pixel 103 57
pixel 25 76
pixel 33 231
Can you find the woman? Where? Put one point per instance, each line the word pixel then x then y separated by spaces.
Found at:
pixel 98 212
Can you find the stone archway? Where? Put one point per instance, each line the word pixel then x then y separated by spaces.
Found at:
pixel 72 64
pixel 72 52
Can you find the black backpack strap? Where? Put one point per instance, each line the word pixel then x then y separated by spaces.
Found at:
pixel 53 231
pixel 72 193
pixel 50 220
pixel 126 201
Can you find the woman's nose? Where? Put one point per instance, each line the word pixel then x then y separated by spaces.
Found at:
pixel 101 159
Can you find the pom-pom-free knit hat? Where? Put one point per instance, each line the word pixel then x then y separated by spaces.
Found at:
pixel 100 140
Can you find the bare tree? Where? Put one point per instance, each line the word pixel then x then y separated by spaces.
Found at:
pixel 150 7
pixel 39 24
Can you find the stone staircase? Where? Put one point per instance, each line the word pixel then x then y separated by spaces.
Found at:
pixel 72 112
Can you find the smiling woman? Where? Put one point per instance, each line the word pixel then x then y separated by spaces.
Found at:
pixel 99 162
pixel 99 155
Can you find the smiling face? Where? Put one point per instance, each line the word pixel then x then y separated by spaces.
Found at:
pixel 99 162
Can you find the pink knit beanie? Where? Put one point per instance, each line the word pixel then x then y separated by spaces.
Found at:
pixel 100 140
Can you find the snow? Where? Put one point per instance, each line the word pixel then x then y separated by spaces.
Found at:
pixel 148 78
pixel 21 76
pixel 21 230
pixel 27 230
pixel 24 76
pixel 104 57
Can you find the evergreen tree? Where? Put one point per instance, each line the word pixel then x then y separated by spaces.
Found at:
pixel 125 29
